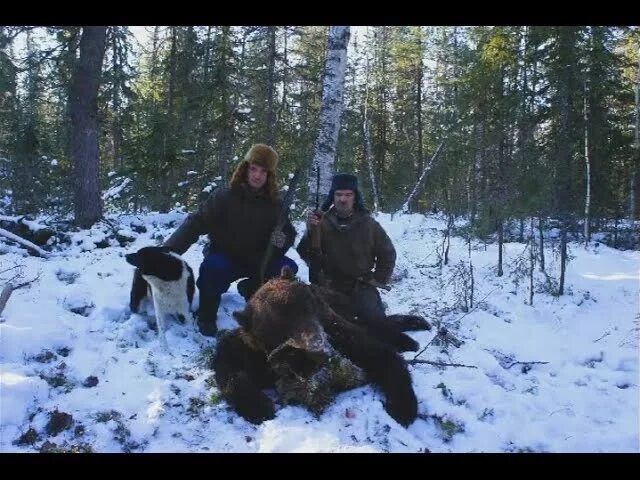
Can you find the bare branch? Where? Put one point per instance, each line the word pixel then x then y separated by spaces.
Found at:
pixel 25 284
pixel 10 268
pixel 523 363
pixel 606 334
pixel 440 364
pixel 4 296
pixel 416 188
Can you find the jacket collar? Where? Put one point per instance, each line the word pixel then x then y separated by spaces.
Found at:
pixel 247 192
pixel 357 217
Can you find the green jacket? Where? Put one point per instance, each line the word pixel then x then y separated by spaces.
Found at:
pixel 361 248
pixel 238 222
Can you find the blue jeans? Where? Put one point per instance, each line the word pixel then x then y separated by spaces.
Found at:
pixel 217 272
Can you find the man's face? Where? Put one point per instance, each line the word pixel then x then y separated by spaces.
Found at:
pixel 256 176
pixel 343 201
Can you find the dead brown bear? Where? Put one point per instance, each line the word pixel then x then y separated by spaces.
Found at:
pixel 302 340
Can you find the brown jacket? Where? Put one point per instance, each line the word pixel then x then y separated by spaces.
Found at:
pixel 239 223
pixel 360 249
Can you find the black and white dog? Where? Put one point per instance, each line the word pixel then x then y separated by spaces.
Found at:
pixel 171 284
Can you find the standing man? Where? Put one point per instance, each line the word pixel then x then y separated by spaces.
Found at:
pixel 240 221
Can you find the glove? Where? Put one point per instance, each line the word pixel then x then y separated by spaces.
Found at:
pixel 138 291
pixel 278 238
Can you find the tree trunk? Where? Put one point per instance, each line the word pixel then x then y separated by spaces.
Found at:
pixel 566 48
pixel 532 260
pixel 368 150
pixel 116 128
pixel 419 76
pixel 471 293
pixel 230 104
pixel 587 201
pixel 540 231
pixel 283 102
pixel 563 257
pixel 381 156
pixel 500 245
pixel 271 84
pixel 477 187
pixel 636 162
pixel 448 238
pixel 330 111
pixel 168 147
pixel 84 120
pixel 203 127
pixel 521 231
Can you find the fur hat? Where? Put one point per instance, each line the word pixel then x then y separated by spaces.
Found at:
pixel 344 181
pixel 262 155
pixel 266 157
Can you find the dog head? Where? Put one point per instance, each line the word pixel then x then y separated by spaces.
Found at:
pixel 158 262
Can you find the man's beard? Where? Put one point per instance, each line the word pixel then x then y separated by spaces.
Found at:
pixel 343 211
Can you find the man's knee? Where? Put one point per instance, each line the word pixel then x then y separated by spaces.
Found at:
pixel 370 311
pixel 279 264
pixel 215 263
pixel 367 302
pixel 216 272
pixel 287 262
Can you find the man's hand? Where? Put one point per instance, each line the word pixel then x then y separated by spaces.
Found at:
pixel 278 238
pixel 313 220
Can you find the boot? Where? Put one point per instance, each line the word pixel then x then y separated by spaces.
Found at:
pixel 208 315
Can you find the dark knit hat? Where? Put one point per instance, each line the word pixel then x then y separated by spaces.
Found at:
pixel 344 181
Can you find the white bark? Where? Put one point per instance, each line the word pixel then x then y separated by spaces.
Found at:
pixel 330 112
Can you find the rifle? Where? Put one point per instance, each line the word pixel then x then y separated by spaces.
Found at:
pixel 315 259
pixel 282 219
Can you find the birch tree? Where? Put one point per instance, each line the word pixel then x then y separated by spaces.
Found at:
pixel 324 151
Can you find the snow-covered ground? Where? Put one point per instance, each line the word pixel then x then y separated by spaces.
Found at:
pixel 79 372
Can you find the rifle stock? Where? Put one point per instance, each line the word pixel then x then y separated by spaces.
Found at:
pixel 282 219
pixel 315 260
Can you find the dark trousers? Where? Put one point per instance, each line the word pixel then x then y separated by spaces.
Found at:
pixel 366 301
pixel 367 307
pixel 217 272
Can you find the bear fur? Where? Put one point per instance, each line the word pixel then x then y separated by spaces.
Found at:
pixel 303 341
